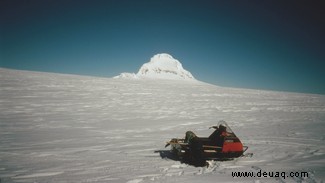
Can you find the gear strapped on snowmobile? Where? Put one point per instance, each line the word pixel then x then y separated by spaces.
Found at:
pixel 221 144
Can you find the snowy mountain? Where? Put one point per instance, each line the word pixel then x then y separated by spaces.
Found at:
pixel 161 66
pixel 69 128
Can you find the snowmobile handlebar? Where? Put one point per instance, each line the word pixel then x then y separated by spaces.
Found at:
pixel 215 127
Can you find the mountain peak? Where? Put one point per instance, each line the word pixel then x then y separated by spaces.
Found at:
pixel 161 66
pixel 163 55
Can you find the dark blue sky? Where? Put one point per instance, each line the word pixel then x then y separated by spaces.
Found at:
pixel 273 45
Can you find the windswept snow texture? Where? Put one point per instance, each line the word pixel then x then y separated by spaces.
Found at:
pixel 161 66
pixel 66 128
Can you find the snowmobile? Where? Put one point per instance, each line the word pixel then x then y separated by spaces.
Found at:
pixel 222 144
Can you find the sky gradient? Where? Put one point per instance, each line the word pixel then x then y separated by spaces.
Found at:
pixel 271 45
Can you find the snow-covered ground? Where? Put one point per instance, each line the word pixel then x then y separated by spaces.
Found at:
pixel 66 128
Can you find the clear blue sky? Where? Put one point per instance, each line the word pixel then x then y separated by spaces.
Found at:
pixel 273 45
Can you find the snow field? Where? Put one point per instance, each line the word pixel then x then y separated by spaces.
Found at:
pixel 66 128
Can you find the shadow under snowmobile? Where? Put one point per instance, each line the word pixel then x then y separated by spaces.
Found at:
pixel 167 154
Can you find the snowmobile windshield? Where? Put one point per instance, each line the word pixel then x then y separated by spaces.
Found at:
pixel 228 129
